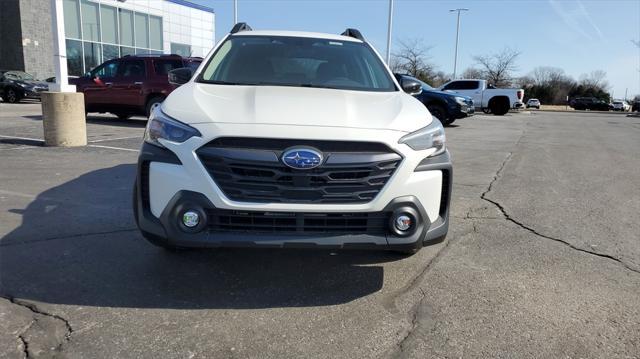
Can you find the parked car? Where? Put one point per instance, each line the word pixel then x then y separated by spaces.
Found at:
pixel 486 97
pixel 17 85
pixel 130 85
pixel 621 105
pixel 533 102
pixel 589 103
pixel 293 139
pixel 445 106
pixel 636 106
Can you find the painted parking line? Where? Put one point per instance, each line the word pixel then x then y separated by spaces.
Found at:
pixel 89 145
pixel 114 148
pixel 22 138
pixel 115 139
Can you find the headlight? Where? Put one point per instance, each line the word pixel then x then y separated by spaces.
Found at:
pixel 162 126
pixel 461 100
pixel 428 137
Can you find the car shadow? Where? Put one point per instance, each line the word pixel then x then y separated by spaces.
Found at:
pixel 77 245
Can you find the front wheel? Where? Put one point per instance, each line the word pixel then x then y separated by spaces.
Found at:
pixel 11 96
pixel 438 112
pixel 486 110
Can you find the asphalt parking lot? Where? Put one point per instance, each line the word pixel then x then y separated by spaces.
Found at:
pixel 542 257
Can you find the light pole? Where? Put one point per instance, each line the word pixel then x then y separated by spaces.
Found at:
pixel 455 59
pixel 235 12
pixel 390 22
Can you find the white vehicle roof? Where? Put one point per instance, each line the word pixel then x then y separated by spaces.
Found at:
pixel 314 35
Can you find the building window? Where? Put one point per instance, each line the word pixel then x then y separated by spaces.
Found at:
pixel 107 32
pixel 110 52
pixel 92 55
pixel 126 27
pixel 74 57
pixel 90 22
pixel 124 51
pixel 141 22
pixel 155 32
pixel 109 21
pixel 71 19
pixel 181 49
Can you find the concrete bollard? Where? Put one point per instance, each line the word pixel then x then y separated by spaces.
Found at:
pixel 63 118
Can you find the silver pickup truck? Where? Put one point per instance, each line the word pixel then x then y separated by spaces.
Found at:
pixel 486 97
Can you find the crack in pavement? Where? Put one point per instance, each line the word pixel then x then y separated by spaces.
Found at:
pixel 37 312
pixel 509 218
pixel 67 237
pixel 23 341
pixel 398 348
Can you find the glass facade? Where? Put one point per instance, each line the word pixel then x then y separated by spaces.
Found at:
pixel 96 33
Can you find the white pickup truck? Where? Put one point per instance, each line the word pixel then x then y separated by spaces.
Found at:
pixel 486 97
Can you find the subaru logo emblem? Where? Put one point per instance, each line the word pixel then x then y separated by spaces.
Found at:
pixel 302 158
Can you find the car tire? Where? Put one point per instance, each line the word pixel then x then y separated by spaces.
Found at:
pixel 486 110
pixel 152 102
pixel 11 96
pixel 440 113
pixel 123 116
pixel 499 106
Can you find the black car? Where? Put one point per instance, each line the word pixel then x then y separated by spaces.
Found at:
pixel 636 106
pixel 445 106
pixel 589 103
pixel 16 85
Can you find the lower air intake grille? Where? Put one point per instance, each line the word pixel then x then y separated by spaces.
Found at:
pixel 374 223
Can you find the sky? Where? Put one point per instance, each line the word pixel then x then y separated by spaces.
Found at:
pixel 578 36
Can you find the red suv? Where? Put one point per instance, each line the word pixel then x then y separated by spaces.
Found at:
pixel 130 85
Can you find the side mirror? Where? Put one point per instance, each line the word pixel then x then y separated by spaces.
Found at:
pixel 180 76
pixel 412 87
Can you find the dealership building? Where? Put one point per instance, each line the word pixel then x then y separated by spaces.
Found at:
pixel 99 30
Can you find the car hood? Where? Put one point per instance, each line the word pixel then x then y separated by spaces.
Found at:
pixel 297 106
pixel 34 83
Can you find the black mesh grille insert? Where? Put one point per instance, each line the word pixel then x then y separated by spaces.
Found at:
pixel 290 222
pixel 250 170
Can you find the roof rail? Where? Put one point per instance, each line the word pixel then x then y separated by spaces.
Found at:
pixel 241 26
pixel 355 33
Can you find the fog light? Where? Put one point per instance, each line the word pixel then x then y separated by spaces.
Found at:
pixel 403 222
pixel 190 219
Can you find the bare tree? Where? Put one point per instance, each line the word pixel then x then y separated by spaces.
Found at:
pixel 545 75
pixel 595 79
pixel 472 73
pixel 413 58
pixel 498 68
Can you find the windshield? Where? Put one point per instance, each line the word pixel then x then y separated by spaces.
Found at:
pixel 18 75
pixel 295 61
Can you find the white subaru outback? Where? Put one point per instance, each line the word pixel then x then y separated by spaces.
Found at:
pixel 293 139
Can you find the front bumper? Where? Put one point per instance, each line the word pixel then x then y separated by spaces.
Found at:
pixel 163 178
pixel 33 92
